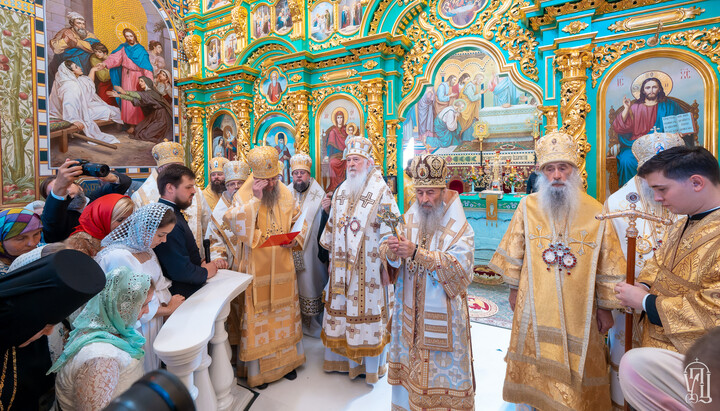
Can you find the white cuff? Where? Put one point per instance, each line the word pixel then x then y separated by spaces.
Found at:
pixel 643 302
pixel 52 193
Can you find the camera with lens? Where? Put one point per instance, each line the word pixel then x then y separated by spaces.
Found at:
pixel 93 169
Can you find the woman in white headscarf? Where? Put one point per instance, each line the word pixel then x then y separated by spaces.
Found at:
pixel 131 245
pixel 73 98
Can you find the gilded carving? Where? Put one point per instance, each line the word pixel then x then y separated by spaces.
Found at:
pixel 375 90
pixel 193 6
pixel 653 19
pixel 573 64
pixel 575 27
pixel 392 127
pixel 519 42
pixel 299 102
pixel 191 46
pixel 264 49
pixel 600 6
pixel 377 15
pixel 335 40
pixel 338 75
pixel 414 61
pixel 196 116
pixel 242 109
pixel 703 41
pixel 295 78
pixel 297 11
pixel 370 64
pixel 550 113
pixel 239 25
pixel 318 95
pixel 261 105
pixel 605 56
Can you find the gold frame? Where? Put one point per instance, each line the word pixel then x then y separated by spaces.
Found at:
pixel 283 123
pixel 208 129
pixel 452 47
pixel 273 15
pixel 337 19
pixel 710 110
pixel 271 8
pixel 320 108
pixel 335 26
pixel 226 63
pixel 449 19
pixel 267 76
pixel 220 53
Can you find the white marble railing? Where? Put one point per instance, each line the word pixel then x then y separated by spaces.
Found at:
pixel 182 342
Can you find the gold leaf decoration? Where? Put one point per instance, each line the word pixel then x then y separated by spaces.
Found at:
pixel 370 64
pixel 653 19
pixel 575 27
pixel 605 56
pixel 703 41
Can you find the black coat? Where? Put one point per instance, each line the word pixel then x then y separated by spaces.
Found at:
pixel 180 257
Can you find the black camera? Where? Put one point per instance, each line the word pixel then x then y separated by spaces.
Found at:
pixel 93 169
pixel 156 391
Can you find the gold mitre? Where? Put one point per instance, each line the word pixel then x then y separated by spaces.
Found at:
pixel 300 161
pixel 428 171
pixel 358 145
pixel 217 164
pixel 263 161
pixel 168 152
pixel 557 146
pixel 645 147
pixel 236 170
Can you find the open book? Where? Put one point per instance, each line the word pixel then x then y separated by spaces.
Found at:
pixel 681 124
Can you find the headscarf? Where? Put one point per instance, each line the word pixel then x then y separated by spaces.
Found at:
pixel 96 218
pixel 137 232
pixel 45 292
pixel 110 316
pixel 16 221
pixel 154 93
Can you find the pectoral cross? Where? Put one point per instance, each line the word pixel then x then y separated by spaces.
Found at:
pixel 583 236
pixel 389 218
pixel 366 199
pixel 539 237
pixel 341 198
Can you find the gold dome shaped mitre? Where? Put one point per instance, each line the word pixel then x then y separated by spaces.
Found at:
pixel 236 170
pixel 263 161
pixel 217 164
pixel 300 161
pixel 168 152
pixel 645 147
pixel 358 145
pixel 557 146
pixel 428 171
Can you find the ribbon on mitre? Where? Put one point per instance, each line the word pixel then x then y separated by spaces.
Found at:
pixel 491 209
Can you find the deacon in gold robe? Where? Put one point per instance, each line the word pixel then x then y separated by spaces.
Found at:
pixel 649 239
pixel 679 288
pixel 216 186
pixel 223 243
pixel 430 352
pixel 271 330
pixel 197 215
pixel 561 264
pixel 357 302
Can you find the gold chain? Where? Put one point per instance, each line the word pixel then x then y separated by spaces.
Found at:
pixel 2 378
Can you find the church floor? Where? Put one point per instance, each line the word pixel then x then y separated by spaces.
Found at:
pixel 313 389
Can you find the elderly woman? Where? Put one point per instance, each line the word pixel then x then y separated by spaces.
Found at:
pixel 103 356
pixel 20 232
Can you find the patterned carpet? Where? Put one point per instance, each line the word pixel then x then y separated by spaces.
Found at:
pixel 488 304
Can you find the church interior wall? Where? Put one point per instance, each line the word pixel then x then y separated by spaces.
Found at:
pixel 549 64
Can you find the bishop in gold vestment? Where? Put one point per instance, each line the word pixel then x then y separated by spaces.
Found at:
pixel 564 264
pixel 271 331
pixel 216 186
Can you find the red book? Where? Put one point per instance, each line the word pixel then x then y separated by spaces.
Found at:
pixel 279 239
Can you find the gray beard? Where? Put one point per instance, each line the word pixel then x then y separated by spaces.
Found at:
pixel 78 202
pixel 354 185
pixel 430 220
pixel 270 197
pixel 81 32
pixel 560 204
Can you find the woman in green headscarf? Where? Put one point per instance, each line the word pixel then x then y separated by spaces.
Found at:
pixel 103 356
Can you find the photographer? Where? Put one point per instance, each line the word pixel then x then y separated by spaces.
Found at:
pixel 65 200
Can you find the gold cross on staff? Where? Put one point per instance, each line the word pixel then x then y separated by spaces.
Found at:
pixel 388 217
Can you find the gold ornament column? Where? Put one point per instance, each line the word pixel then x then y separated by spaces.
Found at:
pixel 392 127
pixel 193 6
pixel 239 24
pixel 242 109
pixel 299 101
pixel 297 11
pixel 191 46
pixel 374 90
pixel 574 108
pixel 196 115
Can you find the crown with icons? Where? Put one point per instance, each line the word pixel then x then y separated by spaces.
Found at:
pixel 645 147
pixel 236 170
pixel 300 161
pixel 428 171
pixel 358 145
pixel 263 161
pixel 557 146
pixel 168 152
pixel 217 164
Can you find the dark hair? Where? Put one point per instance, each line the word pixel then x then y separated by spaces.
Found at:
pixel 173 174
pixel 452 76
pixel 153 44
pixel 167 219
pixel 44 186
pixel 125 30
pixel 680 163
pixel 99 47
pixel 463 77
pixel 661 94
pixel 69 64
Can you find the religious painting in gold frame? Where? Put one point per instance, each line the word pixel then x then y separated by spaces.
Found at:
pixel 460 13
pixel 229 47
pixel 339 117
pixel 349 16
pixel 273 85
pixel 322 21
pixel 282 17
pixel 281 135
pixel 261 24
pixel 645 93
pixel 213 53
pixel 223 132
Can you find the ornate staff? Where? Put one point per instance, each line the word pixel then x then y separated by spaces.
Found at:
pixel 631 234
pixel 389 218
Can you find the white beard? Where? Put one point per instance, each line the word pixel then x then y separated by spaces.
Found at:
pixel 430 220
pixel 560 203
pixel 354 184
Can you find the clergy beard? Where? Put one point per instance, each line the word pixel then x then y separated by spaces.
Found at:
pixel 354 183
pixel 78 202
pixel 560 203
pixel 270 195
pixel 300 187
pixel 430 218
pixel 218 186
